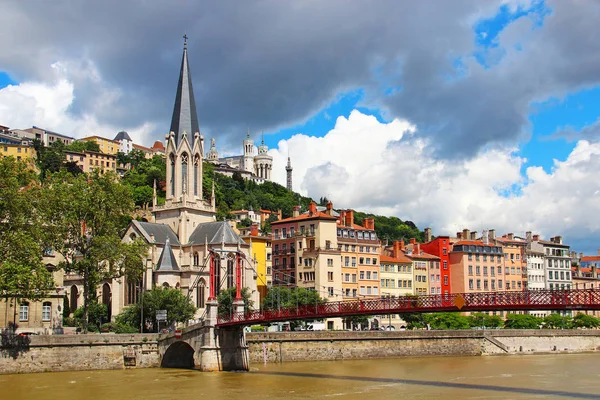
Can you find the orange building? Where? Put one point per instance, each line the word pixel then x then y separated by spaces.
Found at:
pixel 360 252
pixel 515 261
pixel 476 266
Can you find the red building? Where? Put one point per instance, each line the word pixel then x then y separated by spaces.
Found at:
pixel 441 247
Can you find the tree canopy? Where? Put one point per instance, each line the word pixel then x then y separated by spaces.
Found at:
pixel 84 217
pixel 226 297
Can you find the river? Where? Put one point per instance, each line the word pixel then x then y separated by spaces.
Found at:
pixel 503 377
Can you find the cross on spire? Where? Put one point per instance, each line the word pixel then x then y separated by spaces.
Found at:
pixel 185 38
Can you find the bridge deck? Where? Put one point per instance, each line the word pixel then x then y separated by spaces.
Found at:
pixel 552 300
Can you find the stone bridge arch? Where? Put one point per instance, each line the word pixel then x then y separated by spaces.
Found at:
pixel 178 355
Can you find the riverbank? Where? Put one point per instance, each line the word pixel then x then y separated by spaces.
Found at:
pixel 284 347
pixel 105 352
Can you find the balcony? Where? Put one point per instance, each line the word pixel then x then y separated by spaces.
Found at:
pixel 330 250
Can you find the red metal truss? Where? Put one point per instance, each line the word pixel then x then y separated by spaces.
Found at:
pixel 575 299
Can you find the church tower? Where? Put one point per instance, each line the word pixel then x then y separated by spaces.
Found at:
pixel 248 156
pixel 184 206
pixel 263 162
pixel 288 170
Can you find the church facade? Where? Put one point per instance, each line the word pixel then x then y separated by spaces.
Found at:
pixel 183 234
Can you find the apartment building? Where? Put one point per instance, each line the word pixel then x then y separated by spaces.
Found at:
pixel 515 262
pixel 306 253
pixel 106 146
pixel 18 151
pixel 261 254
pixel 557 261
pixel 426 269
pixel 441 247
pixel 360 254
pixel 45 136
pixel 476 266
pixel 89 161
pixel 396 275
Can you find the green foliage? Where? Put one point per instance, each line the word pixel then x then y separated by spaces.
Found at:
pixel 142 176
pixel 118 327
pixel 557 321
pixel 485 320
pixel 97 315
pixel 83 216
pixel 179 308
pixel 585 321
pixel 80 146
pixel 246 222
pixel 414 320
pixel 282 296
pixel 226 298
pixel 22 237
pixel 522 321
pixel 447 320
pixel 49 159
pixel 391 228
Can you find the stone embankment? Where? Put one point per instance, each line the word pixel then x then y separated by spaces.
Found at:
pixel 97 352
pixel 278 347
pixel 83 352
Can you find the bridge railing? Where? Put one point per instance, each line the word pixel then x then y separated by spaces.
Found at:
pixel 479 301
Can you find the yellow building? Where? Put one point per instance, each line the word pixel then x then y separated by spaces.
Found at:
pixel 107 146
pixel 260 252
pixel 18 151
pixel 88 161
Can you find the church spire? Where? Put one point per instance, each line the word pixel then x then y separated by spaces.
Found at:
pixel 184 117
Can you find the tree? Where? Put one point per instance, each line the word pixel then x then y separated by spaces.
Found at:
pixel 246 222
pixel 413 320
pixel 22 274
pixel 522 321
pixel 97 315
pixel 226 298
pixel 83 217
pixel 179 308
pixel 557 321
pixel 485 321
pixel 585 321
pixel 80 146
pixel 49 159
pixel 447 320
pixel 282 296
pixel 143 195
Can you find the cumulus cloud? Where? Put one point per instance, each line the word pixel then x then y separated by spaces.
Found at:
pixel 49 105
pixel 371 166
pixel 272 64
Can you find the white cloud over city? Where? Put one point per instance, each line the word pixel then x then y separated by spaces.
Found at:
pixel 377 167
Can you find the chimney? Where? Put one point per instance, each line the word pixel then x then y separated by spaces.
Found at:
pixel 278 215
pixel 528 236
pixel 413 241
pixel 342 217
pixel 312 208
pixel 492 235
pixel 349 218
pixel 369 223
pixel 474 235
pixel 466 234
pixel 558 239
pixel 417 249
pixel 296 211
pixel 254 230
pixel 329 208
pixel 511 236
pixel 458 235
pixel 536 238
pixel 397 248
pixel 428 236
pixel 402 245
pixel 581 255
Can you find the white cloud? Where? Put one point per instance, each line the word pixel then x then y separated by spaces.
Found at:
pixel 48 104
pixel 379 167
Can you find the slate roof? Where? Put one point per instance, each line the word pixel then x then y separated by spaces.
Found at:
pixel 161 232
pixel 185 117
pixel 215 233
pixel 167 260
pixel 122 135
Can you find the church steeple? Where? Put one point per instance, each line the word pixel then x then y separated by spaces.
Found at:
pixel 288 170
pixel 185 118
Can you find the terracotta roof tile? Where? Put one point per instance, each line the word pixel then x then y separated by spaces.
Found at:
pixel 402 259
pixel 302 217
pixel 590 258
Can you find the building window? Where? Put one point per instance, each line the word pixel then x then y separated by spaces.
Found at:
pixel 200 294
pixel 330 276
pixel 24 312
pixel 46 311
pixel 330 262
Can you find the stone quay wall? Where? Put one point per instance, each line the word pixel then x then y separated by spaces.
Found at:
pixel 55 353
pixel 279 347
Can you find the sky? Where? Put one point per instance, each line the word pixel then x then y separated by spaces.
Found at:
pixel 478 114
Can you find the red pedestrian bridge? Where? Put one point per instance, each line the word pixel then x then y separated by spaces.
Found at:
pixel 542 300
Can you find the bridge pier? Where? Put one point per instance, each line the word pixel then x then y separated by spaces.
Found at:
pixel 223 349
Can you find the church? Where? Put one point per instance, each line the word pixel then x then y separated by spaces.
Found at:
pixel 183 235
pixel 250 165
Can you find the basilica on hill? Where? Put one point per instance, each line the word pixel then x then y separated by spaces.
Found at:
pixel 184 231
